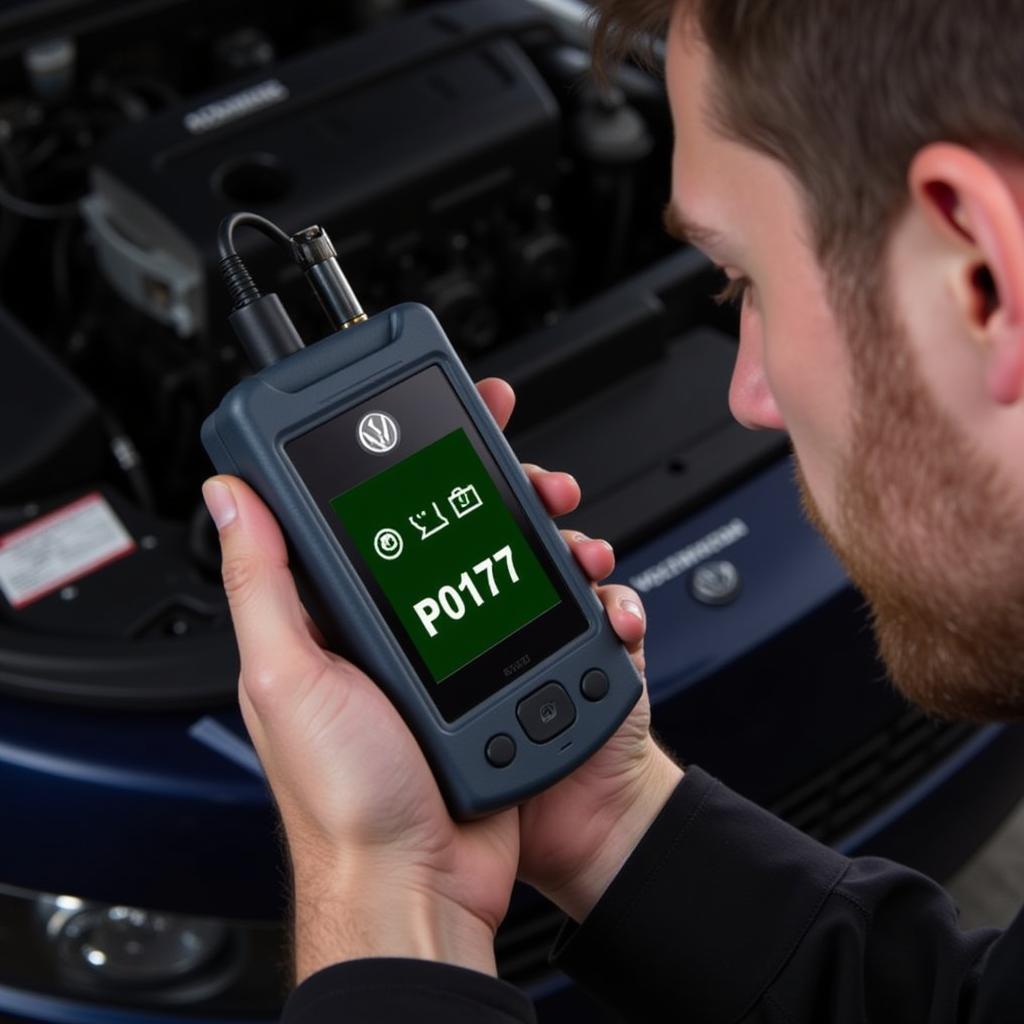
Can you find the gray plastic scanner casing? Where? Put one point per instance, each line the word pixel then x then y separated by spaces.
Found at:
pixel 246 436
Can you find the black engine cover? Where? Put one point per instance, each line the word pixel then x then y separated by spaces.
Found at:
pixel 413 132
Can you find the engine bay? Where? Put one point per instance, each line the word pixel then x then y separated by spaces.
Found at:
pixel 459 154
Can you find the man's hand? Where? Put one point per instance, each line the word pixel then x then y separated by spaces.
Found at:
pixel 575 836
pixel 380 868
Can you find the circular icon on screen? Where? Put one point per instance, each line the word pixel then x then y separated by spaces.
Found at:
pixel 388 544
pixel 378 432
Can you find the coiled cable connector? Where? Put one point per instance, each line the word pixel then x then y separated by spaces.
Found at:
pixel 261 323
pixel 241 287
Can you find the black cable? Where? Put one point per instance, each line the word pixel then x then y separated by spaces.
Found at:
pixel 226 232
pixel 14 176
pixel 128 459
pixel 236 275
pixel 260 322
pixel 37 211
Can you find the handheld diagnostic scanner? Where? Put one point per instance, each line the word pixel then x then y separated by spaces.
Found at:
pixel 421 548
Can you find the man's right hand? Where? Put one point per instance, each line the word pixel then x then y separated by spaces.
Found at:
pixel 575 836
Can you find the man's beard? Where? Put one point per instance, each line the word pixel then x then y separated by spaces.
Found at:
pixel 932 536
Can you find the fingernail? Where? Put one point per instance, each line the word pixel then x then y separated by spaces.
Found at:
pixel 632 608
pixel 220 503
pixel 608 546
pixel 580 537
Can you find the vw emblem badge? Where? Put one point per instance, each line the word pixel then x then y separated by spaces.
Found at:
pixel 378 433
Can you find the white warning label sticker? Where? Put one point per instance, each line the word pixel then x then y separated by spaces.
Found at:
pixel 60 547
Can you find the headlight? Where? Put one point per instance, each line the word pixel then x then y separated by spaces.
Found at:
pixel 101 953
pixel 130 946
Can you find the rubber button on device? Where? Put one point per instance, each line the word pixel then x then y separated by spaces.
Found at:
pixel 500 750
pixel 594 685
pixel 546 712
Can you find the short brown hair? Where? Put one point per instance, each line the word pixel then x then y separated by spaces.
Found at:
pixel 845 92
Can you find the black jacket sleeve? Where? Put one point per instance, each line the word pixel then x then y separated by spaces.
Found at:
pixel 385 990
pixel 726 914
pixel 723 915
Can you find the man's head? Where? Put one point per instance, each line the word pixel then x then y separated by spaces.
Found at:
pixel 858 165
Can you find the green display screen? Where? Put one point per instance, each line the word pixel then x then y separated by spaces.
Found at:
pixel 447 553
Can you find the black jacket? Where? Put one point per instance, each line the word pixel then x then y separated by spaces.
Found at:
pixel 722 915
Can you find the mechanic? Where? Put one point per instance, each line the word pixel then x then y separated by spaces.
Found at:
pixel 856 168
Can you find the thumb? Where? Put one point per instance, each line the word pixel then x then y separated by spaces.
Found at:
pixel 274 641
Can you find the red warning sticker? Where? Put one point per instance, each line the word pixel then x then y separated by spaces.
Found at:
pixel 60 547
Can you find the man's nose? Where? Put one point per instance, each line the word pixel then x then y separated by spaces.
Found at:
pixel 750 398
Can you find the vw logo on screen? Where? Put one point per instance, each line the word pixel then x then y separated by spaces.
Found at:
pixel 378 433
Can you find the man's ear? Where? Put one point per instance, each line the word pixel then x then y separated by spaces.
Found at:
pixel 970 202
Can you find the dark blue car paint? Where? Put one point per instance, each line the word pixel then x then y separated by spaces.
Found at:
pixel 153 811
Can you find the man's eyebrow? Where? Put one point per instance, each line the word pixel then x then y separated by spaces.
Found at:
pixel 680 227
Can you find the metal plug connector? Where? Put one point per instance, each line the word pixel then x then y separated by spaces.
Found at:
pixel 319 262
